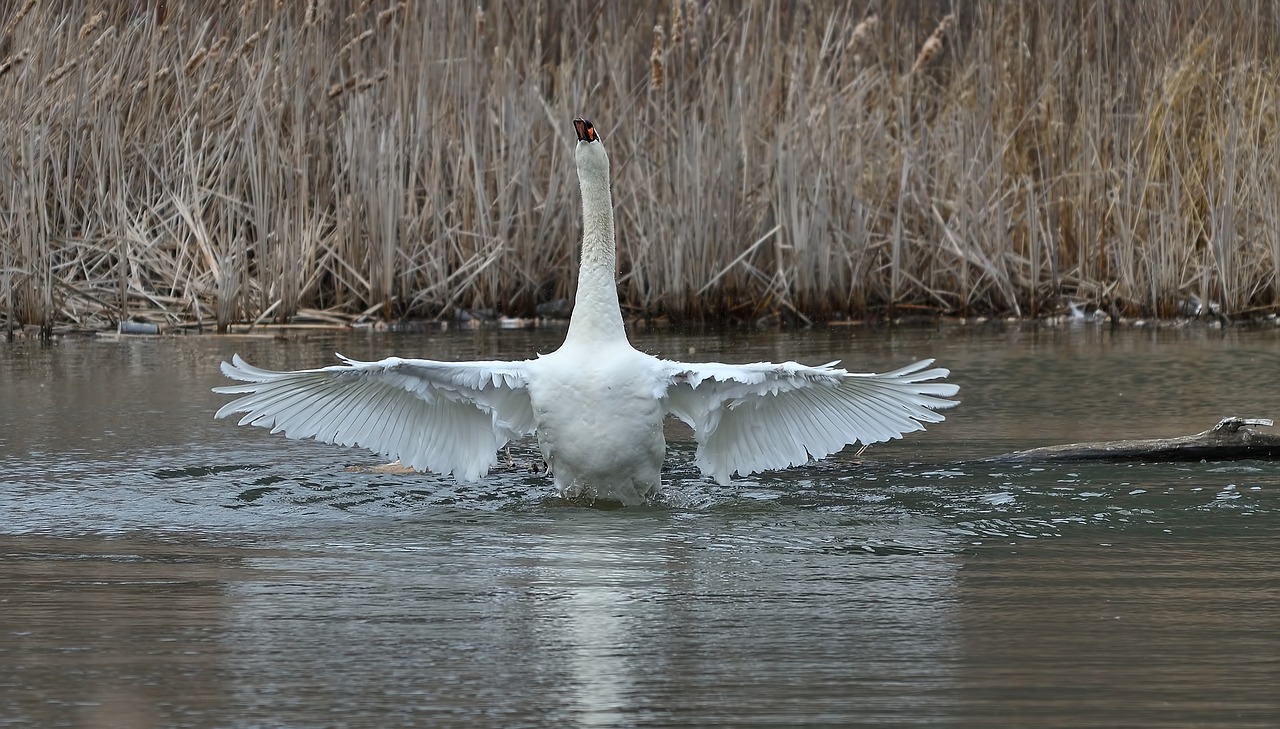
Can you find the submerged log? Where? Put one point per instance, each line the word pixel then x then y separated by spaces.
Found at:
pixel 1230 440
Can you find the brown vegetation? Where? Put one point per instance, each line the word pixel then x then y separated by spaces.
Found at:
pixel 260 160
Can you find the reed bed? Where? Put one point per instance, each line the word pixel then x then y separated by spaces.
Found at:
pixel 257 160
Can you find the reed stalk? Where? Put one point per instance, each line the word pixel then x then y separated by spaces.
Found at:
pixel 345 158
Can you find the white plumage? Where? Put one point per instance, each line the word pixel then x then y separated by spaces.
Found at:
pixel 596 404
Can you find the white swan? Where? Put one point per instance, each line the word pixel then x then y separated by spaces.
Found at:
pixel 596 404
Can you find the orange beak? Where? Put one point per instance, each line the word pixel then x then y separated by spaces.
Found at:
pixel 586 132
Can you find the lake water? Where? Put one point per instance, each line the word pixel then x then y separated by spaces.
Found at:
pixel 159 568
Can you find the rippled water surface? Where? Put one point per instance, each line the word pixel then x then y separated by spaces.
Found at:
pixel 161 568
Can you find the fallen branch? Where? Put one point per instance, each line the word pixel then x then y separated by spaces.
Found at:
pixel 1231 439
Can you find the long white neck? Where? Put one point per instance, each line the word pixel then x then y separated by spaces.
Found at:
pixel 596 317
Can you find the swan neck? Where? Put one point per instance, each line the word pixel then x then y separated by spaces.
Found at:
pixel 596 315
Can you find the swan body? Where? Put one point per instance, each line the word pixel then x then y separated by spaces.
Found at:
pixel 596 404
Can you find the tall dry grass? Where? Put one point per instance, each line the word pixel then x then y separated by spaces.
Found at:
pixel 261 160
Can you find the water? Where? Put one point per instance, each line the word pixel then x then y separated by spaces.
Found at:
pixel 160 568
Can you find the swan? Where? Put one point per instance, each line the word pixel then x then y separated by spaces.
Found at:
pixel 596 404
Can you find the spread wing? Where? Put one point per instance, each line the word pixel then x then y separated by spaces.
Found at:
pixel 448 417
pixel 757 417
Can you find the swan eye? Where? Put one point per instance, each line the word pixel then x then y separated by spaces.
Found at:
pixel 586 132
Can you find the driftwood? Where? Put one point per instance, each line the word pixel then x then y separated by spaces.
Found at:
pixel 1231 439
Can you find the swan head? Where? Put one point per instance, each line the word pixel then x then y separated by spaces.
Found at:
pixel 593 161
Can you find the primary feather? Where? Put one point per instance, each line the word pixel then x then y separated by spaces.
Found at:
pixel 449 417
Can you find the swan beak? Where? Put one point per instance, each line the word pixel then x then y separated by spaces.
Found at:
pixel 586 132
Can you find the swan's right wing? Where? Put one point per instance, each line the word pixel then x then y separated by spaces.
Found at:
pixel 447 417
pixel 757 417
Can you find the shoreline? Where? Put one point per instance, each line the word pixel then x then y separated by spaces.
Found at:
pixel 289 330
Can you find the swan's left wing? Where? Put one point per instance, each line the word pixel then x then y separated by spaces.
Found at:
pixel 757 417
pixel 448 417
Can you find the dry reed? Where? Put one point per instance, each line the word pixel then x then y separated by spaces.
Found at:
pixel 391 159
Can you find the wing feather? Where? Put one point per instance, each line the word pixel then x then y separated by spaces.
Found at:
pixel 450 417
pixel 756 417
pixel 314 422
pixel 394 428
pixel 372 406
pixel 341 418
pixel 390 414
pixel 449 431
pixel 311 417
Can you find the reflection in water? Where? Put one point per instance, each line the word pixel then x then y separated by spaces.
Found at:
pixel 163 569
pixel 590 622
